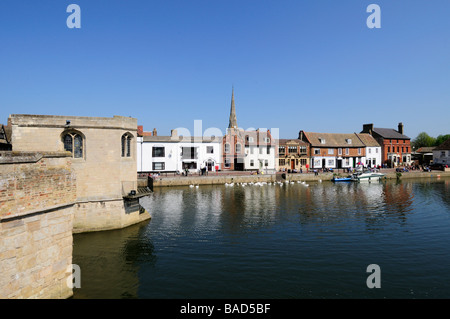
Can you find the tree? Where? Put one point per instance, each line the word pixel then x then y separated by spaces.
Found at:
pixel 423 139
pixel 441 139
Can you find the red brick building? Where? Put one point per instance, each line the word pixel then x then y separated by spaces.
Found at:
pixel 395 146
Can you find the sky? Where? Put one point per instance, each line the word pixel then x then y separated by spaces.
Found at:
pixel 311 65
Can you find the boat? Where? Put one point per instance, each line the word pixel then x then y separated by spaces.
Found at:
pixel 342 179
pixel 367 176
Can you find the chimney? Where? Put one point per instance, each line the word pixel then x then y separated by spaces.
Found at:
pixel 174 133
pixel 300 136
pixel 368 128
pixel 154 132
pixel 140 130
pixel 400 128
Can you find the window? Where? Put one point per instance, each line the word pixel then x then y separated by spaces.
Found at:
pixel 389 149
pixel 281 150
pixel 317 151
pixel 268 150
pixel 158 151
pixel 267 140
pixel 252 150
pixel 442 153
pixel 227 148
pixel 227 163
pixel 370 150
pixel 238 148
pixel 322 140
pixel 261 150
pixel 403 149
pixel 340 151
pixel 330 151
pixel 349 141
pixel 303 149
pixel 252 163
pixel 73 142
pixel 303 161
pixel 347 151
pixel 159 166
pixel 188 153
pixel 281 162
pixel 126 145
pixel 292 149
pixel 359 151
pixel 266 163
pixel 376 150
pixel 209 149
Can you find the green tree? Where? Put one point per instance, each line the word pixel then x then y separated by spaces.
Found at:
pixel 441 139
pixel 423 139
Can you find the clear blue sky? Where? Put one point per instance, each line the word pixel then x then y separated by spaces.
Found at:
pixel 311 65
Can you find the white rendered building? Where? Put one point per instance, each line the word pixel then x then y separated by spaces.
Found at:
pixel 159 154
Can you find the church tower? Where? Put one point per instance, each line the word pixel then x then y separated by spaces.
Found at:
pixel 233 120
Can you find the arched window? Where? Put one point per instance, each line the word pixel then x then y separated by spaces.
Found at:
pixel 126 145
pixel 227 148
pixel 73 142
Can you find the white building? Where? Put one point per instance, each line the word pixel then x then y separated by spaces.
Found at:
pixel 159 154
pixel 260 151
pixel 373 150
pixel 441 154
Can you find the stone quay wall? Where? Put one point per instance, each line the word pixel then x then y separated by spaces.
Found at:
pixel 164 181
pixel 37 194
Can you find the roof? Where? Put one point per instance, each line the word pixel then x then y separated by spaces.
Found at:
pixel 390 133
pixel 184 139
pixel 284 141
pixel 368 140
pixel 5 134
pixel 444 146
pixel 426 149
pixel 259 138
pixel 333 139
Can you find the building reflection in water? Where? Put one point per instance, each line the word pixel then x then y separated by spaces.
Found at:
pixel 112 259
pixel 201 223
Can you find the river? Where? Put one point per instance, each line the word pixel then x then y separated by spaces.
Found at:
pixel 277 241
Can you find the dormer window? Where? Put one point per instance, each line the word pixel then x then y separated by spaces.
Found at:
pixel 349 141
pixel 322 140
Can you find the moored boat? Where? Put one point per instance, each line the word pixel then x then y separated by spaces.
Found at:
pixel 342 179
pixel 367 176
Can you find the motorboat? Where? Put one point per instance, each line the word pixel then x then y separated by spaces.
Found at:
pixel 367 176
pixel 342 179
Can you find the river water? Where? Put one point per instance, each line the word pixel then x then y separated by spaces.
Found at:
pixel 273 241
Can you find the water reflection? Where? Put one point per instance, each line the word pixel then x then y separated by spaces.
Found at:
pixel 274 241
pixel 112 259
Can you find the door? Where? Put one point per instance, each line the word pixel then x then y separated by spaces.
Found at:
pixel 209 165
pixel 292 164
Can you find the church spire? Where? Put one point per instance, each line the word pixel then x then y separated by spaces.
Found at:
pixel 233 120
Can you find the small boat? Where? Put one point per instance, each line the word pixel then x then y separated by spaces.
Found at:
pixel 367 176
pixel 342 179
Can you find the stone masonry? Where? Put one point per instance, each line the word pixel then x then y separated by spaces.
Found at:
pixel 37 194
